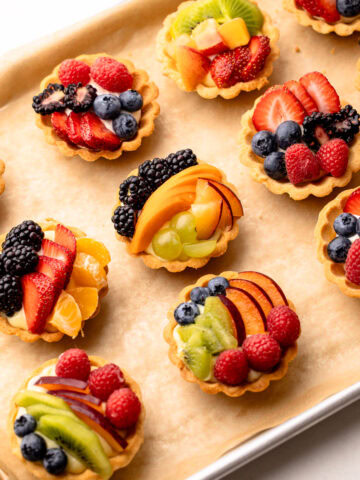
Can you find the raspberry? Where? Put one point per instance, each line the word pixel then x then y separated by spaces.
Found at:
pixel 74 71
pixel 283 325
pixel 231 367
pixel 333 157
pixel 123 408
pixel 262 351
pixel 111 74
pixel 352 265
pixel 301 164
pixel 105 380
pixel 73 363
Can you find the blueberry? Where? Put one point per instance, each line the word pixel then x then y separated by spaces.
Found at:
pixel 274 165
pixel 55 461
pixel 199 295
pixel 345 225
pixel 218 285
pixel 131 100
pixel 348 8
pixel 185 313
pixel 107 106
pixel 288 133
pixel 24 425
pixel 264 143
pixel 125 126
pixel 338 249
pixel 33 447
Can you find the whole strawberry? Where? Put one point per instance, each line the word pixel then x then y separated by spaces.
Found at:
pixel 123 408
pixel 231 367
pixel 111 74
pixel 333 157
pixel 74 71
pixel 262 351
pixel 105 380
pixel 73 363
pixel 222 68
pixel 283 325
pixel 301 164
pixel 352 264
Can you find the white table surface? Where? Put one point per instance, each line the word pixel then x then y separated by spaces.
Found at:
pixel 329 451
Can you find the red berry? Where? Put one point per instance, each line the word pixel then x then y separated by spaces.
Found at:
pixel 123 408
pixel 105 380
pixel 262 351
pixel 74 71
pixel 259 49
pixel 231 367
pixel 283 325
pixel 242 58
pixel 222 68
pixel 301 94
pixel 73 363
pixel 111 74
pixel 333 157
pixel 321 91
pixel 325 9
pixel 352 204
pixel 352 264
pixel 301 164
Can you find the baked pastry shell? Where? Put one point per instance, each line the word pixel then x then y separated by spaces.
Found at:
pixel 49 337
pixel 213 388
pixel 319 188
pixel 2 182
pixel 357 79
pixel 169 66
pixel 149 111
pixel 120 460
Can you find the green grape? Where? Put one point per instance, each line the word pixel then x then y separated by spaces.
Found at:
pixel 184 224
pixel 167 244
pixel 200 249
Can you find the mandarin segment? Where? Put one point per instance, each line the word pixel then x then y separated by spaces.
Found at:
pixel 87 272
pixel 66 315
pixel 95 249
pixel 87 299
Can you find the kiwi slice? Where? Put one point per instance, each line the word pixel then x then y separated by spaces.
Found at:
pixel 220 329
pixel 77 439
pixel 25 398
pixel 37 410
pixel 199 360
pixel 197 336
pixel 244 9
pixel 189 17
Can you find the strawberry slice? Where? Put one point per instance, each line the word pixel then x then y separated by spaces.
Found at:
pixel 58 121
pixel 277 105
pixel 65 237
pixel 73 129
pixel 352 204
pixel 96 135
pixel 222 68
pixel 301 94
pixel 54 269
pixel 321 91
pixel 259 47
pixel 325 9
pixel 38 299
pixel 54 250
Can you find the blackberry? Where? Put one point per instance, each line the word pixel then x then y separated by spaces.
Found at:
pixel 19 260
pixel 316 126
pixel 10 295
pixel 155 172
pixel 134 191
pixel 345 124
pixel 26 233
pixel 78 98
pixel 124 220
pixel 51 100
pixel 180 160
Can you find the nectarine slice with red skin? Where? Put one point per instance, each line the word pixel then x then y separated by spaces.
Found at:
pixel 237 321
pixel 60 383
pixel 268 284
pixel 207 218
pixel 85 398
pixel 251 313
pixel 257 292
pixel 235 204
pixel 226 220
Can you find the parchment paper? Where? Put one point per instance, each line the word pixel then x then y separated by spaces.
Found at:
pixel 185 428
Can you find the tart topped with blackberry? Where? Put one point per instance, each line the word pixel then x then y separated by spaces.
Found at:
pixel 177 212
pixel 51 280
pixel 218 47
pixel 96 106
pixel 300 139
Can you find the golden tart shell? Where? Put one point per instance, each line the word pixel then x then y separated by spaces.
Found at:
pixel 149 112
pixel 2 182
pixel 120 460
pixel 169 67
pixel 357 79
pixel 213 388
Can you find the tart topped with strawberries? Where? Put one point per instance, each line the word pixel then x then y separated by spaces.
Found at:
pixel 300 139
pixel 78 417
pixel 232 333
pixel 218 47
pixel 96 106
pixel 176 212
pixel 51 280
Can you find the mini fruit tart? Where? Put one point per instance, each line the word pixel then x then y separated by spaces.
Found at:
pixel 175 213
pixel 218 47
pixel 78 417
pixel 96 106
pixel 326 16
pixel 51 280
pixel 300 139
pixel 2 182
pixel 338 241
pixel 232 334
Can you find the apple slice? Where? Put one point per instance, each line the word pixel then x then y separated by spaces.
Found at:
pixel 207 218
pixel 60 383
pixel 192 66
pixel 85 398
pixel 250 311
pixel 235 204
pixel 268 284
pixel 207 38
pixel 257 292
pixel 235 314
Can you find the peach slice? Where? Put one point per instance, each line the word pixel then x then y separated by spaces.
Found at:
pixel 206 192
pixel 208 40
pixel 268 284
pixel 250 311
pixel 235 204
pixel 59 383
pixel 192 66
pixel 235 315
pixel 85 398
pixel 257 292
pixel 207 218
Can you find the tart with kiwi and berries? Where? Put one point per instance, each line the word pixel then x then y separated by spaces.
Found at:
pixel 52 279
pixel 96 106
pixel 78 417
pixel 327 16
pixel 338 241
pixel 300 139
pixel 218 47
pixel 176 212
pixel 233 333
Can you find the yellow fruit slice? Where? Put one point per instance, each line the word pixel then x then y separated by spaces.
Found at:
pixel 66 315
pixel 87 272
pixel 95 249
pixel 87 299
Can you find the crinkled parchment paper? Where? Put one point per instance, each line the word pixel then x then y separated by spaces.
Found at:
pixel 185 428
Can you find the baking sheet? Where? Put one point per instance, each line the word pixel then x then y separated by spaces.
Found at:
pixel 185 429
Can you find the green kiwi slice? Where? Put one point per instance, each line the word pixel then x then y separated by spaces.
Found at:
pixel 37 410
pixel 244 9
pixel 25 398
pixel 189 17
pixel 198 336
pixel 220 329
pixel 199 361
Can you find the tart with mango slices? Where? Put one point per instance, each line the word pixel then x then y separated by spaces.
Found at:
pixel 52 279
pixel 78 417
pixel 233 333
pixel 177 212
pixel 300 139
pixel 218 47
pixel 96 106
pixel 332 16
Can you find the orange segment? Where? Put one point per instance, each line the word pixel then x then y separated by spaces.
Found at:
pixel 87 299
pixel 66 315
pixel 87 272
pixel 95 249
